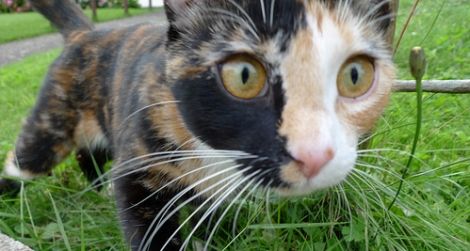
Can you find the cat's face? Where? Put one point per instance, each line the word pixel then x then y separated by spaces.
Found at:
pixel 295 83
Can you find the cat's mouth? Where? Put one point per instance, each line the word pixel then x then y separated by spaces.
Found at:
pixel 330 175
pixel 289 177
pixel 300 182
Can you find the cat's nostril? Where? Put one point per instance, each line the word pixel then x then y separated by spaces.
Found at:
pixel 311 162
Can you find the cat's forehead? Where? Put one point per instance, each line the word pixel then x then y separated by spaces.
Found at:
pixel 267 28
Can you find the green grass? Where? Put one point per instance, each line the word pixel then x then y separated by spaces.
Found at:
pixel 432 213
pixel 25 25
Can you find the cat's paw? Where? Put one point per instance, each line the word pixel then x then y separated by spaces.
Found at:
pixel 8 186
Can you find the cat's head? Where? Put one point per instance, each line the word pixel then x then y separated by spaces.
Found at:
pixel 295 83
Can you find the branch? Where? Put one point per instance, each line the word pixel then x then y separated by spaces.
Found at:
pixel 435 86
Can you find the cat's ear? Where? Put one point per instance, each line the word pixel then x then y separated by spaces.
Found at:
pixel 173 8
pixel 384 13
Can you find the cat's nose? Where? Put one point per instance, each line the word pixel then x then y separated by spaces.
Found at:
pixel 311 161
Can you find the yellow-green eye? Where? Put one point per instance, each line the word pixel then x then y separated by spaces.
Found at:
pixel 356 77
pixel 243 76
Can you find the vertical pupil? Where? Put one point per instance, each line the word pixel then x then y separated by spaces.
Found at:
pixel 354 75
pixel 245 75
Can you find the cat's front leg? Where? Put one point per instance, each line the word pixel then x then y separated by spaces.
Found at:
pixel 138 208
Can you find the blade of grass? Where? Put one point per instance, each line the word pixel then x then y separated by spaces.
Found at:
pixel 60 223
pixel 295 226
pixel 31 219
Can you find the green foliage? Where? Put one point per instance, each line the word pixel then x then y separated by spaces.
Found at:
pixel 439 27
pixel 132 3
pixel 432 213
pixel 25 25
pixel 8 6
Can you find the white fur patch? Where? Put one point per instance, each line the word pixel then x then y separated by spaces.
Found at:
pixel 11 170
pixel 313 98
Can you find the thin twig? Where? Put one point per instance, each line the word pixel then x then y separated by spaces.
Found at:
pixel 405 27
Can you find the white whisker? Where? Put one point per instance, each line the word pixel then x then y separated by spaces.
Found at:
pixel 249 19
pixel 251 192
pixel 233 17
pixel 121 173
pixel 229 206
pixel 271 19
pixel 263 10
pixel 177 179
pixel 143 109
pixel 165 209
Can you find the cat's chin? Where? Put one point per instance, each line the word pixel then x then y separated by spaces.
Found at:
pixel 303 190
pixel 306 188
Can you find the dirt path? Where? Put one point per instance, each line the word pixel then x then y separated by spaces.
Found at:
pixel 17 50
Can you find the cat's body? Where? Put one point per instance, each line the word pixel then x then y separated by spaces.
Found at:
pixel 159 102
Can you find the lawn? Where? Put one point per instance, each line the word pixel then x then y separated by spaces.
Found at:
pixel 432 213
pixel 25 25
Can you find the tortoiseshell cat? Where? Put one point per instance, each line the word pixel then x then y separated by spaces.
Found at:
pixel 235 94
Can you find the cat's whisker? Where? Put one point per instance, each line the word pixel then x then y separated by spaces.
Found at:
pixel 366 165
pixel 248 17
pixel 359 192
pixel 208 189
pixel 122 171
pixel 134 169
pixel 159 220
pixel 387 189
pixel 346 200
pixel 401 152
pixel 235 18
pixel 271 18
pixel 406 203
pixel 163 153
pixel 143 109
pixel 389 128
pixel 216 204
pixel 263 10
pixel 217 224
pixel 226 190
pixel 148 158
pixel 390 191
pixel 251 193
pixel 372 188
pixel 242 202
pixel 267 202
pixel 373 12
pixel 366 199
pixel 177 179
pixel 439 168
pixel 390 162
pixel 377 150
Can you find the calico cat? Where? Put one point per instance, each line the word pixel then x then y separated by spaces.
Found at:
pixel 233 95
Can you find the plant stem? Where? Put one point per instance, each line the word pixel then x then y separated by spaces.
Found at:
pixel 418 68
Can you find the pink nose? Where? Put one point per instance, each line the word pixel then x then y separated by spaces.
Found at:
pixel 312 161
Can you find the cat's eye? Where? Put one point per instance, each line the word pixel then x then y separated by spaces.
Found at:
pixel 243 76
pixel 356 77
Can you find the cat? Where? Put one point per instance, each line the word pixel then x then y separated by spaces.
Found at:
pixel 232 95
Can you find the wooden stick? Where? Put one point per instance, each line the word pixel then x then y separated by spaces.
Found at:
pixel 435 86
